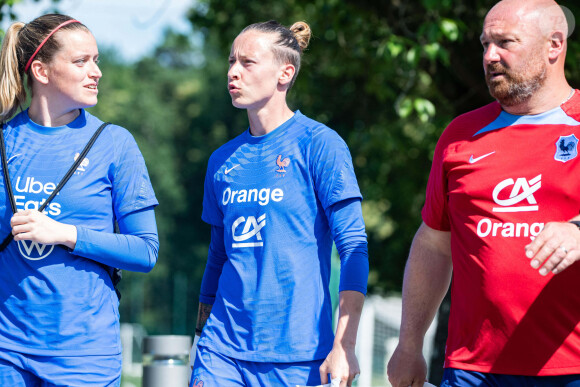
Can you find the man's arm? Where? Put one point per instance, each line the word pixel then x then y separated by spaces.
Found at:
pixel 341 362
pixel 427 278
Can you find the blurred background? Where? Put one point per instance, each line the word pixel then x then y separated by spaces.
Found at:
pixel 388 76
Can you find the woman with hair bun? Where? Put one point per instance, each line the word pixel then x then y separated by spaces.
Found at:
pixel 276 197
pixel 59 319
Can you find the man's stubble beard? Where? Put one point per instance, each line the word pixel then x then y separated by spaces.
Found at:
pixel 515 87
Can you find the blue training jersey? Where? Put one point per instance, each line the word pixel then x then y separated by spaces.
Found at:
pixel 269 194
pixel 53 302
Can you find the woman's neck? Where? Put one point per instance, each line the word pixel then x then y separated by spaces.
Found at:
pixel 42 115
pixel 266 120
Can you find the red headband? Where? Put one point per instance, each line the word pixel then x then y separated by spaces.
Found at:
pixel 45 39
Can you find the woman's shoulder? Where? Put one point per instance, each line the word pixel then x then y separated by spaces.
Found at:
pixel 316 128
pixel 320 134
pixel 116 133
pixel 225 150
pixel 19 119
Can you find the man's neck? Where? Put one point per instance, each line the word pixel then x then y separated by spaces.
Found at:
pixel 541 101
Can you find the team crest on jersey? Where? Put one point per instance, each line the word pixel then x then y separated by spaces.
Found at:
pixel 34 251
pixel 282 164
pixel 566 148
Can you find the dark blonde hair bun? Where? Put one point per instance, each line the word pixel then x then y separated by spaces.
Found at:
pixel 302 33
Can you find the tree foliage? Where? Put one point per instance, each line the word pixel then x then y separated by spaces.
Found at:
pixel 388 76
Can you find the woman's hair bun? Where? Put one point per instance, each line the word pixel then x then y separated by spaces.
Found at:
pixel 302 33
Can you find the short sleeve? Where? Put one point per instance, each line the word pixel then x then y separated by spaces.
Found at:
pixel 132 189
pixel 434 211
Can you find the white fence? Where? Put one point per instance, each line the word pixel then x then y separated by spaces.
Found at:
pixel 378 336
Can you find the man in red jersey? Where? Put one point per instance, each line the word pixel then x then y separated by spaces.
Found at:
pixel 503 188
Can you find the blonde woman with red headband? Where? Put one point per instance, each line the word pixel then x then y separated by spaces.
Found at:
pixel 67 178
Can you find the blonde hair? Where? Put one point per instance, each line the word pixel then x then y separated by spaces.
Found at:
pixel 302 33
pixel 19 44
pixel 290 42
pixel 12 91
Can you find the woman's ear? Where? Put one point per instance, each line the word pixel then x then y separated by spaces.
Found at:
pixel 287 73
pixel 39 71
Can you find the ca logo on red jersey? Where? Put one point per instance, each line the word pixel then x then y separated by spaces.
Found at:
pixel 521 190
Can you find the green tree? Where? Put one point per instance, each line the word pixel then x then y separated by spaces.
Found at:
pixel 388 76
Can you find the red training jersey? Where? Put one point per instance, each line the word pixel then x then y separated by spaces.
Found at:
pixel 496 180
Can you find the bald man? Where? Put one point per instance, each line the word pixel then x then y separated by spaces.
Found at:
pixel 500 211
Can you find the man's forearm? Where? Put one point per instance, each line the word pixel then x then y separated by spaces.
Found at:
pixel 427 278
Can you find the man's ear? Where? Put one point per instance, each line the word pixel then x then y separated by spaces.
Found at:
pixel 39 71
pixel 557 45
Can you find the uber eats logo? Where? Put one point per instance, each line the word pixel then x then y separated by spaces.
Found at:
pixel 26 187
pixel 32 186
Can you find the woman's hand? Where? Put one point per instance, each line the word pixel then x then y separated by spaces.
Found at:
pixel 32 225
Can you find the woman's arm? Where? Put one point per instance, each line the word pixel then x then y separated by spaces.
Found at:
pixel 135 248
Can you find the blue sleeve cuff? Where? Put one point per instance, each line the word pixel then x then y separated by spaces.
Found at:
pixel 354 269
pixel 348 231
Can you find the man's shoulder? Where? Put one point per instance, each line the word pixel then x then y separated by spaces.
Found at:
pixel 572 106
pixel 468 124
pixel 478 118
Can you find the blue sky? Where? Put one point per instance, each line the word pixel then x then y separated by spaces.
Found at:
pixel 133 26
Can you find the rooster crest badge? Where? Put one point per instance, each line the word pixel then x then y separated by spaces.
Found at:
pixel 282 164
pixel 566 148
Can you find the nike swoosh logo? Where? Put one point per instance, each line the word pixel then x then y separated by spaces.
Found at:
pixel 475 160
pixel 230 169
pixel 13 157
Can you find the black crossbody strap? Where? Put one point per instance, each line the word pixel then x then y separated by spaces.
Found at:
pixel 5 172
pixel 64 180
pixel 74 167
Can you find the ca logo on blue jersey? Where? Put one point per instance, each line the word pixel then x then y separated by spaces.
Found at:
pixel 251 230
pixel 566 148
pixel 34 251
